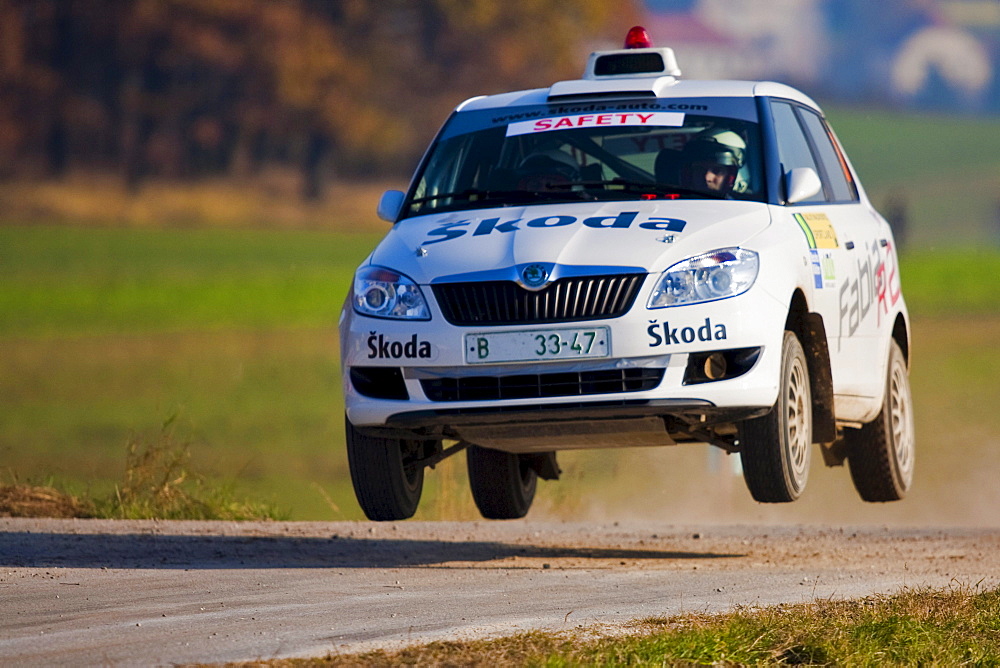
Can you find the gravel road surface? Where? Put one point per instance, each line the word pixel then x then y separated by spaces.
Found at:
pixel 96 592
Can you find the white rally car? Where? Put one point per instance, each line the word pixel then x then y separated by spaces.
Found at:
pixel 629 259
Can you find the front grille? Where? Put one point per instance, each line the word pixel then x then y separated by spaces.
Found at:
pixel 537 386
pixel 565 300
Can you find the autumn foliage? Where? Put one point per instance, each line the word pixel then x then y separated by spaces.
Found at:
pixel 187 88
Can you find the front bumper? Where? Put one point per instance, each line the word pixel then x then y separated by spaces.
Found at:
pixel 412 377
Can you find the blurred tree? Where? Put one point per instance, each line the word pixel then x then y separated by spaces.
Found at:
pixel 186 88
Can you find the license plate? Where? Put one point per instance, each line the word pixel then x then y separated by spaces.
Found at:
pixel 537 344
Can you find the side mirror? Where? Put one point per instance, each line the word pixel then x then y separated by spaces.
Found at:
pixel 801 183
pixel 390 205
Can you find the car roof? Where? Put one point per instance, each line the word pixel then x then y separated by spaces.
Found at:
pixel 666 87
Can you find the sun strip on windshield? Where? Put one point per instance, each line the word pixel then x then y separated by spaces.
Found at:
pixel 611 119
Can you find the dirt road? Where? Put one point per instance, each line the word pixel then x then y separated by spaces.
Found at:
pixel 94 592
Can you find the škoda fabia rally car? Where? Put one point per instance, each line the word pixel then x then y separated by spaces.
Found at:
pixel 629 259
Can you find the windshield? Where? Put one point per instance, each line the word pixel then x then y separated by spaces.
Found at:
pixel 593 152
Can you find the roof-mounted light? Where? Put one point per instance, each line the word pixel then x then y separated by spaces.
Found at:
pixel 638 38
pixel 637 70
pixel 637 59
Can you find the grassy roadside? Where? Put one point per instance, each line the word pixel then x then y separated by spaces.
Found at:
pixel 157 483
pixel 955 626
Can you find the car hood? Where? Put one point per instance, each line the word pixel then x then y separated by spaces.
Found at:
pixel 565 239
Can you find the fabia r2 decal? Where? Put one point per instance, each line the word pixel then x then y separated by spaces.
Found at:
pixel 875 284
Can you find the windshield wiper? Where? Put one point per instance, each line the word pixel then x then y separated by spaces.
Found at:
pixel 579 189
pixel 475 193
pixel 614 185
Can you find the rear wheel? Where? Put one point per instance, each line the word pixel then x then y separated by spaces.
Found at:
pixel 387 482
pixel 503 484
pixel 776 448
pixel 881 453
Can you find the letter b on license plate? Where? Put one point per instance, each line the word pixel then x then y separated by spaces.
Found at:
pixel 539 344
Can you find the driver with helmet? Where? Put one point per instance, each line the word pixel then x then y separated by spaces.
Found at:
pixel 712 161
pixel 547 170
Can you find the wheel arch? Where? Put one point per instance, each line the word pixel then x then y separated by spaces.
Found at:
pixel 901 334
pixel 811 331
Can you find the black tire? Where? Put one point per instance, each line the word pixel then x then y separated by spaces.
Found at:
pixel 386 487
pixel 880 455
pixel 776 448
pixel 503 484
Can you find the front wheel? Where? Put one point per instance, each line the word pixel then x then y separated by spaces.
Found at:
pixel 880 455
pixel 387 480
pixel 776 448
pixel 503 484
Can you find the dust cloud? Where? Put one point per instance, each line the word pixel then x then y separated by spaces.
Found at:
pixel 697 484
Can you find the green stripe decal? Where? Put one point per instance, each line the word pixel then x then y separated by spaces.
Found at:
pixel 806 230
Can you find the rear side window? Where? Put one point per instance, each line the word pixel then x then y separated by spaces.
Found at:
pixel 793 147
pixel 837 175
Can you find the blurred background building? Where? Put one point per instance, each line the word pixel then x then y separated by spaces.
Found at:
pixel 915 54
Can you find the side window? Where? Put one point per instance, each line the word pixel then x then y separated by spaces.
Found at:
pixel 793 147
pixel 837 174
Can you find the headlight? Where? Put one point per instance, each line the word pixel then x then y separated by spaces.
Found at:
pixel 384 293
pixel 726 272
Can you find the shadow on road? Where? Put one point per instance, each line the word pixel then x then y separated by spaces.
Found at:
pixel 68 550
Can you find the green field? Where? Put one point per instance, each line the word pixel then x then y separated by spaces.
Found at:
pixel 107 333
pixel 944 171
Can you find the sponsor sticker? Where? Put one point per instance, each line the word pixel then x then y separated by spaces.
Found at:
pixel 817 267
pixel 610 119
pixel 829 270
pixel 818 230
